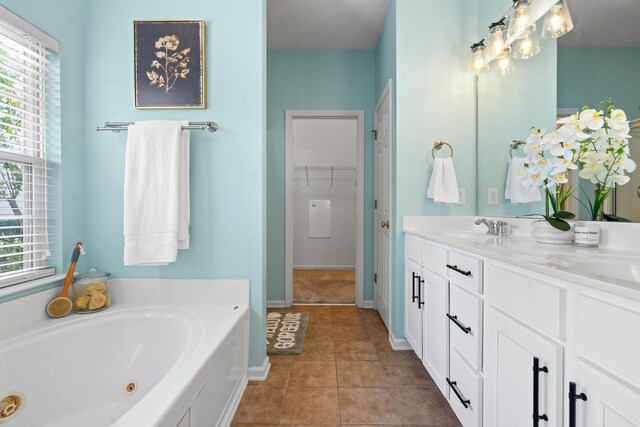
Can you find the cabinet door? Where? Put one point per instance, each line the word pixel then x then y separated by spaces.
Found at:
pixel 608 404
pixel 413 310
pixel 435 330
pixel 509 352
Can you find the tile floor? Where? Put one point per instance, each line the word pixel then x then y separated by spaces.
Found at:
pixel 346 374
pixel 324 286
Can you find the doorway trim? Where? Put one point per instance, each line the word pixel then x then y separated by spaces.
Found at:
pixel 290 116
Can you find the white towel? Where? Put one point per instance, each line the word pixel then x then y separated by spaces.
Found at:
pixel 156 193
pixel 514 190
pixel 443 186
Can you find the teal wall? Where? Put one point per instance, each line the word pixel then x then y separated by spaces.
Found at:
pixel 64 20
pixel 611 73
pixel 314 80
pixel 227 168
pixel 386 53
pixel 508 107
pixel 435 100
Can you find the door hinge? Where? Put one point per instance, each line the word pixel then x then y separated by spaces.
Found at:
pixel 375 134
pixel 375 204
pixel 375 277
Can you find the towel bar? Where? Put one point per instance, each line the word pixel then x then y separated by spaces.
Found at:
pixel 438 145
pixel 120 126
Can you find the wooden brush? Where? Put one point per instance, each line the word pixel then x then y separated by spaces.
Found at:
pixel 61 305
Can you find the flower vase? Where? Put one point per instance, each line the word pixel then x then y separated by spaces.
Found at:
pixel 545 233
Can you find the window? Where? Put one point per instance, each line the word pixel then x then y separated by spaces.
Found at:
pixel 29 149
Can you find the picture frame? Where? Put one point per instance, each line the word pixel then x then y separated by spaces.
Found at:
pixel 169 64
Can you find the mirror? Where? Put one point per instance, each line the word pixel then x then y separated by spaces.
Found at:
pixel 597 60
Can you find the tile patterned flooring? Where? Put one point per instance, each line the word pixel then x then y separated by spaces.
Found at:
pixel 324 286
pixel 347 374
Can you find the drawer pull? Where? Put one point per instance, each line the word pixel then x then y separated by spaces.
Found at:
pixel 456 269
pixel 536 392
pixel 420 300
pixel 453 385
pixel 573 397
pixel 413 285
pixel 454 319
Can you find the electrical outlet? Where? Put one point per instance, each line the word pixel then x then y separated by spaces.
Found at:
pixel 461 196
pixel 492 196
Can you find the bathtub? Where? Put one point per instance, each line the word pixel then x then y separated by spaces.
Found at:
pixel 136 364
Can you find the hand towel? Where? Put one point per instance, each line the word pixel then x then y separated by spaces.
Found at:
pixel 156 193
pixel 443 186
pixel 514 190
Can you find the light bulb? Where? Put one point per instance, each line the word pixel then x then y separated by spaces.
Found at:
pixel 496 43
pixel 504 63
pixel 478 61
pixel 558 21
pixel 526 47
pixel 521 23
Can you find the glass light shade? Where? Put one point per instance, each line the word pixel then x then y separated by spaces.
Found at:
pixel 495 40
pixel 504 64
pixel 557 22
pixel 526 47
pixel 521 23
pixel 478 61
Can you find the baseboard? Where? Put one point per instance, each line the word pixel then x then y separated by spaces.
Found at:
pixel 276 304
pixel 367 304
pixel 259 373
pixel 324 267
pixel 232 406
pixel 398 343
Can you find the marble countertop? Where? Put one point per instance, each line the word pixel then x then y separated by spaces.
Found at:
pixel 612 268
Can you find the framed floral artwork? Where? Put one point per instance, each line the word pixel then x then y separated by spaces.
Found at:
pixel 169 64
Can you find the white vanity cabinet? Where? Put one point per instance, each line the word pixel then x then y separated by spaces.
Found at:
pixel 414 291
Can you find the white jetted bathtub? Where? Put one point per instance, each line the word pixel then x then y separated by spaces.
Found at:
pixel 134 365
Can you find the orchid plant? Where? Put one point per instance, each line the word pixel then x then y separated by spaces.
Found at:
pixel 603 157
pixel 550 157
pixel 596 142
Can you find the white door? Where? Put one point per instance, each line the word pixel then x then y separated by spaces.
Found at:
pixel 435 340
pixel 412 307
pixel 383 205
pixel 608 404
pixel 509 353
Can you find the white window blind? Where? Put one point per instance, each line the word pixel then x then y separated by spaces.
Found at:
pixel 29 154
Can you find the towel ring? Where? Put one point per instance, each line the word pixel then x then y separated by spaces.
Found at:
pixel 513 145
pixel 438 145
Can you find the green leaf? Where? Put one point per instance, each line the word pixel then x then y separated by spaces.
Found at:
pixel 615 218
pixel 558 223
pixel 563 215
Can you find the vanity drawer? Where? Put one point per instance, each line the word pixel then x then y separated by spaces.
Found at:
pixel 413 249
pixel 468 385
pixel 536 302
pixel 465 270
pixel 465 324
pixel 606 333
pixel 434 258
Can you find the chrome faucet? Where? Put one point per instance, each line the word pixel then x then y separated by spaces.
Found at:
pixel 500 228
pixel 491 225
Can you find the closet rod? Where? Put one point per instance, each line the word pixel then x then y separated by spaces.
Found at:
pixel 124 126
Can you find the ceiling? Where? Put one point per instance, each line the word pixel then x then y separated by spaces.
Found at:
pixel 603 23
pixel 324 24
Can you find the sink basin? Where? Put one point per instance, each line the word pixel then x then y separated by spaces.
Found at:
pixel 604 266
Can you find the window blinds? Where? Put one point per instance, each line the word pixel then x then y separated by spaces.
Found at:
pixel 29 154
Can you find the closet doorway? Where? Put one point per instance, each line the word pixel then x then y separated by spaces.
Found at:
pixel 324 218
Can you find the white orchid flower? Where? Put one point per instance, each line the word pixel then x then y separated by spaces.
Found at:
pixel 591 119
pixel 618 120
pixel 625 164
pixel 572 119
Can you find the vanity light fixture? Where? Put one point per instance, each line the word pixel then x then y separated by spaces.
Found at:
pixel 479 62
pixel 557 22
pixel 521 23
pixel 504 63
pixel 496 43
pixel 526 47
